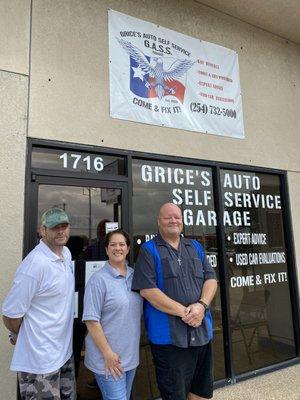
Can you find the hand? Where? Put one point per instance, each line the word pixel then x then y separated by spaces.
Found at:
pixel 113 365
pixel 183 311
pixel 195 315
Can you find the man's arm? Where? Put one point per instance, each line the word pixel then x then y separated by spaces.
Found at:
pixel 12 324
pixel 18 301
pixel 208 291
pixel 163 303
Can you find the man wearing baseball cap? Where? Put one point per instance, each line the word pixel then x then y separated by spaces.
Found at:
pixel 38 311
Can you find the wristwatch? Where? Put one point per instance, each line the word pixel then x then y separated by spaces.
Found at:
pixel 206 306
pixel 12 337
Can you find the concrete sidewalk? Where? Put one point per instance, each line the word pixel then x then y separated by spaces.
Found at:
pixel 283 384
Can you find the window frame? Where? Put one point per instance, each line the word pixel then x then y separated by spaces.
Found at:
pixel 216 167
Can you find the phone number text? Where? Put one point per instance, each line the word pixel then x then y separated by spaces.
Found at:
pixel 213 110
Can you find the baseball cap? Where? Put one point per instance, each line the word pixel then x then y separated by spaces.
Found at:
pixel 53 217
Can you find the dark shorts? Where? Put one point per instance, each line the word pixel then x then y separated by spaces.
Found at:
pixel 56 385
pixel 183 370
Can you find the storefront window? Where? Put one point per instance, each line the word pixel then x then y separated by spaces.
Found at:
pixel 254 269
pixel 92 211
pixel 191 188
pixel 260 310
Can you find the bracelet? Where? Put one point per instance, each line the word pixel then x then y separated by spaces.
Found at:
pixel 206 306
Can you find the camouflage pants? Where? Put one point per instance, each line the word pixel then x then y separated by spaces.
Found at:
pixel 57 385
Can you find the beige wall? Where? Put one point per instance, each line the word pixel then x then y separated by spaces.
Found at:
pixel 69 100
pixel 13 120
pixel 14 66
pixel 70 47
pixel 69 87
pixel 14 33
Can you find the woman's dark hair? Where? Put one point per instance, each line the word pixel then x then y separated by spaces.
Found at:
pixel 117 231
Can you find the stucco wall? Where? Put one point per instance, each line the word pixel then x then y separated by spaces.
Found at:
pixel 14 66
pixel 13 120
pixel 14 33
pixel 70 88
pixel 67 59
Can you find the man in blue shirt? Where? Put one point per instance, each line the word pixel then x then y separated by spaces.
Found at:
pixel 178 284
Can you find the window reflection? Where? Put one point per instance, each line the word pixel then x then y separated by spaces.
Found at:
pixel 60 159
pixel 91 210
pixel 260 310
pixel 190 187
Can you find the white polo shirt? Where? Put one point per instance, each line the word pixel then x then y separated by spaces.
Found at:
pixel 43 294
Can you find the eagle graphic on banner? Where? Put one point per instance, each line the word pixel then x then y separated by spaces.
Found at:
pixel 149 79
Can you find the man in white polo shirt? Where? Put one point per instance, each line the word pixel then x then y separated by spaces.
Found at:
pixel 39 311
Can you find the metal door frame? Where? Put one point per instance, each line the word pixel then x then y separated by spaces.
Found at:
pixel 31 217
pixel 85 179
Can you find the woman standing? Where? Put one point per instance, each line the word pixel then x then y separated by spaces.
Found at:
pixel 112 313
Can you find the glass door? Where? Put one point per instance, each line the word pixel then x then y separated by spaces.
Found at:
pixel 94 208
pixel 261 322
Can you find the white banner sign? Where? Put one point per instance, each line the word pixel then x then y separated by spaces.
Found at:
pixel 162 77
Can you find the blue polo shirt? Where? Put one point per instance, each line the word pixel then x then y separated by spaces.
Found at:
pixel 109 300
pixel 157 266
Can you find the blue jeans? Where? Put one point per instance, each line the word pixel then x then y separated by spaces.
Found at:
pixel 116 389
